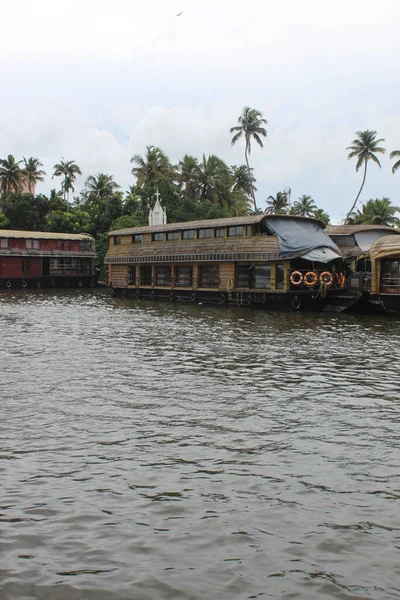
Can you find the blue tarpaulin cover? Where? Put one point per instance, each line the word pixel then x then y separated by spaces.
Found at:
pixel 298 236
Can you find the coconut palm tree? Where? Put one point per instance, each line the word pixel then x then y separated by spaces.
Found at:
pixel 364 147
pixel 304 206
pixel 377 212
pixel 396 165
pixel 153 166
pixel 69 170
pixel 278 204
pixel 251 128
pixel 32 172
pixel 11 175
pixel 321 215
pixel 101 185
pixel 188 175
pixel 213 178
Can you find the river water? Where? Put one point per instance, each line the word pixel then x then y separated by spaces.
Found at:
pixel 173 451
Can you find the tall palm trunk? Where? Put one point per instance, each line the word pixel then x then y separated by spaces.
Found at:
pixel 249 172
pixel 359 192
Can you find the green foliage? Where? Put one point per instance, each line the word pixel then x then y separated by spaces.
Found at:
pixel 4 222
pixel 127 221
pixel 26 212
pixel 377 212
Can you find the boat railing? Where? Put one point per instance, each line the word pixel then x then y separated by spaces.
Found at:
pixel 201 257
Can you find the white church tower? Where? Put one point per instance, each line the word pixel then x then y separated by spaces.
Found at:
pixel 158 214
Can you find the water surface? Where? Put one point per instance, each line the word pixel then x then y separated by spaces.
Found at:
pixel 173 451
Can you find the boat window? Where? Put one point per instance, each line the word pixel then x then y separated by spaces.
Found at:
pixel 189 234
pixel 145 275
pixel 249 230
pixel 390 277
pixel 137 238
pixel 261 275
pixel 26 268
pixel 32 244
pixel 131 275
pixel 117 241
pixel 158 237
pixel 173 235
pixel 220 232
pixel 344 241
pixel 242 276
pixel 1 269
pixel 279 277
pixel 163 276
pixel 83 266
pixel 183 276
pixel 238 230
pixel 209 276
pixel 85 244
pixel 3 242
pixel 205 233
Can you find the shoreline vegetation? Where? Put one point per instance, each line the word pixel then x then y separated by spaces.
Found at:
pixel 192 189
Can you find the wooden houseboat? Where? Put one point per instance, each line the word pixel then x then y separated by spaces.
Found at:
pixel 272 261
pixel 355 242
pixel 385 275
pixel 36 259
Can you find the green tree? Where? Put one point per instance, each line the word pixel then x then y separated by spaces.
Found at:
pixel 396 165
pixel 304 206
pixel 67 169
pixel 32 172
pixel 321 215
pixel 11 175
pixel 278 204
pixel 251 128
pixel 364 147
pixel 26 212
pixel 4 222
pixel 153 166
pixel 188 175
pixel 100 186
pixel 377 212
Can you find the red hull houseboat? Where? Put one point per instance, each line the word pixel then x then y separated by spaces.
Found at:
pixel 270 261
pixel 36 259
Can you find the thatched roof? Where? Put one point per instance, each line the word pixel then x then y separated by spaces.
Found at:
pixel 43 235
pixel 389 245
pixel 226 222
pixel 351 229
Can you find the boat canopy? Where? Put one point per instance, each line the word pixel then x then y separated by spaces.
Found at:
pixel 365 239
pixel 304 237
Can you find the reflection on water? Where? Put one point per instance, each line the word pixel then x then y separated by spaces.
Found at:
pixel 174 451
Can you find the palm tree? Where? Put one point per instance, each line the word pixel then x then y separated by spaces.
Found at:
pixel 69 170
pixel 32 172
pixel 213 175
pixel 364 147
pixel 377 212
pixel 321 215
pixel 188 174
pixel 396 165
pixel 101 185
pixel 278 204
pixel 11 175
pixel 304 206
pixel 251 127
pixel 153 166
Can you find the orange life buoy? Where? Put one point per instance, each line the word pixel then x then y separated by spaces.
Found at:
pixel 326 278
pixel 296 278
pixel 310 278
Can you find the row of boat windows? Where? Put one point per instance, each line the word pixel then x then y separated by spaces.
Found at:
pixel 191 234
pixel 36 244
pixel 57 266
pixel 247 276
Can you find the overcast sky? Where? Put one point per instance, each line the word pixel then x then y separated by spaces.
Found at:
pixel 96 81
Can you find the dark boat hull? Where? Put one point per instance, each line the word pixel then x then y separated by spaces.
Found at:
pixel 299 300
pixel 385 303
pixel 75 281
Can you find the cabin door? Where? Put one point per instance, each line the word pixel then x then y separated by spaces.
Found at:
pixel 46 267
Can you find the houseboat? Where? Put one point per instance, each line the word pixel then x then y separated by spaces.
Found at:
pixel 271 261
pixel 36 259
pixel 385 275
pixel 355 242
